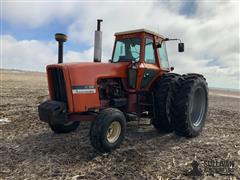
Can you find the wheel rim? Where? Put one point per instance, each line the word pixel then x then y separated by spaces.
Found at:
pixel 113 132
pixel 198 106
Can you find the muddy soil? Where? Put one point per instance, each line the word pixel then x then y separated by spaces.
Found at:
pixel 30 150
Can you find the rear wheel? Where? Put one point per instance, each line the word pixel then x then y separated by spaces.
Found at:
pixel 108 130
pixel 189 105
pixel 162 96
pixel 64 128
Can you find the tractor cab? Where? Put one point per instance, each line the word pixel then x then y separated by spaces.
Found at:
pixel 147 54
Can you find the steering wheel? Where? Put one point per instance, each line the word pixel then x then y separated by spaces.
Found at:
pixel 136 53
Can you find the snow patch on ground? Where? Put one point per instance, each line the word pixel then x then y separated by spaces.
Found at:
pixel 4 121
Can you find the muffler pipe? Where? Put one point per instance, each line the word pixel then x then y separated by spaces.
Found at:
pixel 98 42
pixel 61 38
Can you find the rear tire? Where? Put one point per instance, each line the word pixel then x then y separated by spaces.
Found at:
pixel 64 128
pixel 162 96
pixel 107 132
pixel 189 105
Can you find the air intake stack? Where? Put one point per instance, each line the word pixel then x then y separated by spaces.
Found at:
pixel 61 38
pixel 98 42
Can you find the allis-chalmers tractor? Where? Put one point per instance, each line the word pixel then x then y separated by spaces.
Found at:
pixel 136 83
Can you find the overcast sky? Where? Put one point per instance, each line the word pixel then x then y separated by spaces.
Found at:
pixel 209 29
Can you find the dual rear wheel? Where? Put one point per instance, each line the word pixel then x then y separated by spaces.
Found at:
pixel 182 102
pixel 189 105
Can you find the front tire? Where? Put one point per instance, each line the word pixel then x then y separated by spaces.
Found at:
pixel 64 128
pixel 189 105
pixel 107 132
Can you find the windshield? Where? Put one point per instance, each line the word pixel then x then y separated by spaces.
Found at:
pixel 127 49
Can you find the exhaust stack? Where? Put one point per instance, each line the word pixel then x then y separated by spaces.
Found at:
pixel 61 38
pixel 98 42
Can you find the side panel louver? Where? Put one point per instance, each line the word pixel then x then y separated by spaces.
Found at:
pixel 59 87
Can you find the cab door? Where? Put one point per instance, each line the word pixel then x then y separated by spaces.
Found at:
pixel 162 51
pixel 149 67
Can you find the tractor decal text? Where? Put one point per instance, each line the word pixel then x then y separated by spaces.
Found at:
pixel 84 89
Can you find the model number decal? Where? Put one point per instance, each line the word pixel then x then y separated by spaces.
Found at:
pixel 84 89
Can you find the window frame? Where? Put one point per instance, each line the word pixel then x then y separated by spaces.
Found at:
pixel 159 54
pixel 123 38
pixel 153 46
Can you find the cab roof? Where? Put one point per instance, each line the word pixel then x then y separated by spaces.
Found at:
pixel 139 30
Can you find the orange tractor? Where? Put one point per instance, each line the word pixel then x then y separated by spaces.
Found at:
pixel 136 83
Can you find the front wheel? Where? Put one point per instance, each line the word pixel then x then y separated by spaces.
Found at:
pixel 64 128
pixel 107 132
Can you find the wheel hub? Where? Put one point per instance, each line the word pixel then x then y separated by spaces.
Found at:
pixel 198 106
pixel 113 132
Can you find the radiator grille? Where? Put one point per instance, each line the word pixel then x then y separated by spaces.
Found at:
pixel 59 87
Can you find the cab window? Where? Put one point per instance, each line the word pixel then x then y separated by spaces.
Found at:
pixel 127 49
pixel 163 56
pixel 149 51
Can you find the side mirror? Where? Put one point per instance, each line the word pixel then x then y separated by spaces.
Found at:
pixel 171 68
pixel 180 47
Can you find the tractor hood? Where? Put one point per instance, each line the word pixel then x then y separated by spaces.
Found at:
pixel 89 73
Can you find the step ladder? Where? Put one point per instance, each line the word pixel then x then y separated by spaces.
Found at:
pixel 145 101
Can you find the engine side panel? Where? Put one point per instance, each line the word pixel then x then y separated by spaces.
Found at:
pixel 85 77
